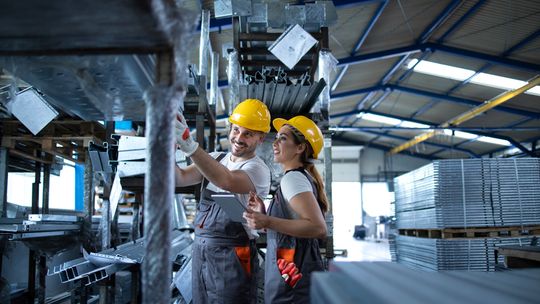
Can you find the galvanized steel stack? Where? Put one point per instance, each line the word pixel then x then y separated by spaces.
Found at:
pixel 466 194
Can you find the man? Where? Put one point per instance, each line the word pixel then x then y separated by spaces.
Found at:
pixel 224 258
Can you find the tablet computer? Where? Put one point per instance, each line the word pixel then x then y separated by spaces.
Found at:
pixel 232 206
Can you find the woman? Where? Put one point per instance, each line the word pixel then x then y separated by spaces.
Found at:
pixel 295 217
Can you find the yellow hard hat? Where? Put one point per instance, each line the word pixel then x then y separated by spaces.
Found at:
pixel 251 114
pixel 307 127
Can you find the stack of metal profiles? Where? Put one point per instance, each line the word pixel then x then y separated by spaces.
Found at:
pixel 281 93
pixel 470 193
pixel 113 260
pixel 383 282
pixel 472 254
pixel 39 226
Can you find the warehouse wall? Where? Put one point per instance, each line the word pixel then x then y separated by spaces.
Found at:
pixel 349 164
pixel 373 161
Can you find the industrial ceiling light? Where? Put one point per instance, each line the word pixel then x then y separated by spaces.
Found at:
pixel 460 74
pixel 448 132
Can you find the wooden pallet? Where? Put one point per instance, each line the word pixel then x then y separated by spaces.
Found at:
pixel 472 232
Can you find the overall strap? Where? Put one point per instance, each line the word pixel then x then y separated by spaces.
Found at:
pixel 205 181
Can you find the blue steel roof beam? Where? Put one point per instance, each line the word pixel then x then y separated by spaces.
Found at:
pixel 377 102
pixel 427 143
pixel 461 20
pixel 465 101
pixel 443 16
pixel 341 95
pixel 409 71
pixel 340 127
pixel 424 37
pixel 386 78
pixel 431 125
pixel 380 55
pixel 483 68
pixel 434 95
pixel 519 122
pixel 360 41
pixel 381 147
pixel 529 66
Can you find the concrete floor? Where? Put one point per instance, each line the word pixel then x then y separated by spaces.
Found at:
pixel 362 250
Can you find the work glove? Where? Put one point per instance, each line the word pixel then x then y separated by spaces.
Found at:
pixel 183 137
pixel 289 272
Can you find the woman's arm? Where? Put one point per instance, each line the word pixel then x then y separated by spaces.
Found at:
pixel 310 222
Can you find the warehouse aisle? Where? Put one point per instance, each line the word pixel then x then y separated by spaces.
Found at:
pixel 366 250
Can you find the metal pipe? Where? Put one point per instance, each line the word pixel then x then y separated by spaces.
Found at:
pixel 214 74
pixel 233 74
pixel 204 42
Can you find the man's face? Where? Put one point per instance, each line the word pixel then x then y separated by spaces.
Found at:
pixel 244 141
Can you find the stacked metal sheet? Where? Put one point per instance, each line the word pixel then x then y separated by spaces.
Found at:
pixel 383 282
pixel 472 254
pixel 470 193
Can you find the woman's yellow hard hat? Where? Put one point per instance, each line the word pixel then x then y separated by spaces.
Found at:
pixel 307 127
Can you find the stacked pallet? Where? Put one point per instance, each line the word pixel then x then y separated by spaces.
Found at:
pixel 451 214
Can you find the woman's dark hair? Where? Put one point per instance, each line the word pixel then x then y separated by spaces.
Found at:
pixel 305 158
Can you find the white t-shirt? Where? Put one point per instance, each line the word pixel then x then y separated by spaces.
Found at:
pixel 294 183
pixel 258 173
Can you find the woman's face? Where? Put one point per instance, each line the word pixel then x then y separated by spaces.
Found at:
pixel 284 147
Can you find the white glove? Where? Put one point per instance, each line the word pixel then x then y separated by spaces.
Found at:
pixel 183 137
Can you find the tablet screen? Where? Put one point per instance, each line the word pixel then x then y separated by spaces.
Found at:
pixel 232 206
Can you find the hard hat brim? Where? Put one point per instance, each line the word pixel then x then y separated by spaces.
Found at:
pixel 278 123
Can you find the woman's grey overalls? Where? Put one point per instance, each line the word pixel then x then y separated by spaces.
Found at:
pixel 303 252
pixel 224 259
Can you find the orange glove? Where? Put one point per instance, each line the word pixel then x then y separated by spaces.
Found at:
pixel 289 272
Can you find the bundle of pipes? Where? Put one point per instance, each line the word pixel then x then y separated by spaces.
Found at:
pixel 282 94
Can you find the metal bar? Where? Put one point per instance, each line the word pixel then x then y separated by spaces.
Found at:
pixel 380 55
pixel 486 106
pixel 438 47
pixel 204 42
pixel 427 143
pixel 451 99
pixel 386 78
pixel 445 14
pixel 46 187
pixel 361 40
pixel 4 158
pixel 377 102
pixel 340 138
pixel 159 185
pixel 459 23
pixel 529 66
pixel 470 114
pixel 467 129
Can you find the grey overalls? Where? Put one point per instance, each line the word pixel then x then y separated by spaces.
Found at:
pixel 223 257
pixel 303 252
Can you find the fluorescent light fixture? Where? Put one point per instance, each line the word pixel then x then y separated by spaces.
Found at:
pixel 441 70
pixel 495 141
pixel 382 119
pixel 411 124
pixel 460 74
